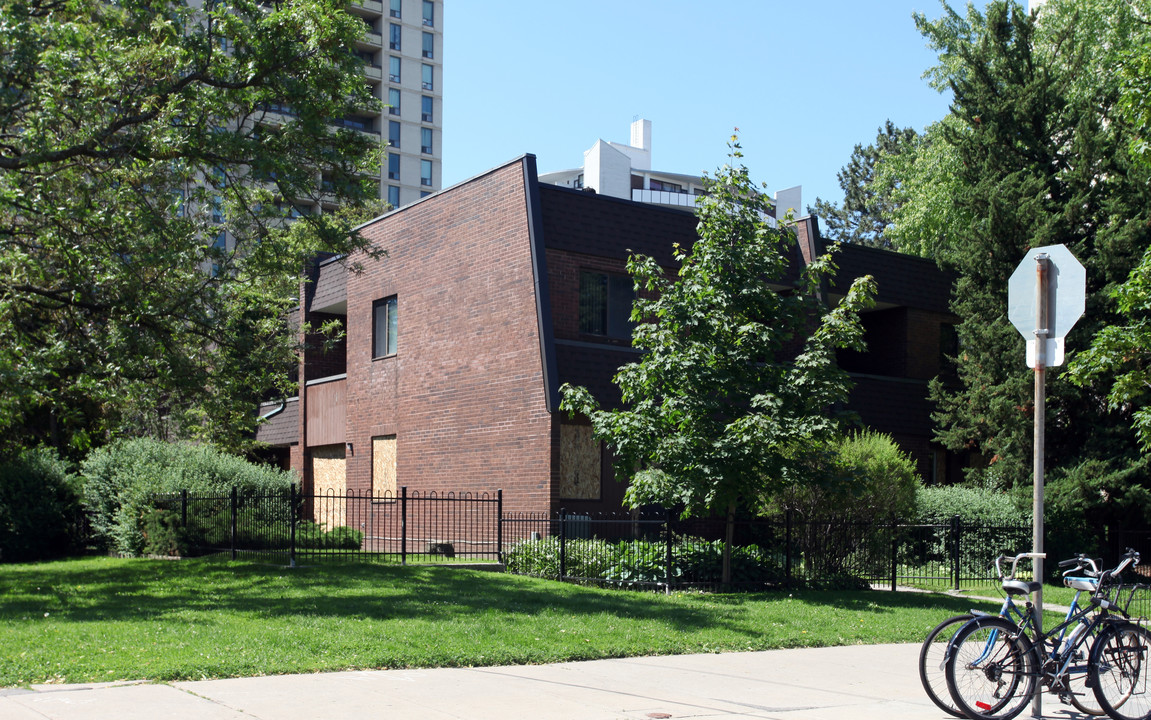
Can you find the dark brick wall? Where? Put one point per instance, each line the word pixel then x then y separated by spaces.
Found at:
pixel 465 393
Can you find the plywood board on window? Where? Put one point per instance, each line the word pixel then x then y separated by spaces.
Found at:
pixel 329 478
pixel 384 466
pixel 580 466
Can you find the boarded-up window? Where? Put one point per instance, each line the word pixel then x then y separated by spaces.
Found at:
pixel 580 468
pixel 329 478
pixel 384 466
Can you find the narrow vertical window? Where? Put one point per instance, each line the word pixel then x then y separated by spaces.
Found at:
pixel 394 195
pixel 395 8
pixel 394 37
pixel 427 77
pixel 429 13
pixel 426 173
pixel 426 109
pixel 426 141
pixel 605 304
pixel 393 167
pixel 393 101
pixel 384 327
pixel 393 133
pixel 429 45
pixel 393 69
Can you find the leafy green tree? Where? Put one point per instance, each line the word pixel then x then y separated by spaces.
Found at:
pixel 150 153
pixel 1035 163
pixel 718 413
pixel 924 180
pixel 1119 355
pixel 868 198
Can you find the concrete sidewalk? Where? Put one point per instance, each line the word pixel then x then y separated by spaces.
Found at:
pixel 861 682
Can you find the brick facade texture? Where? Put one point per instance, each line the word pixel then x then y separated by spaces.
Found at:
pixel 465 393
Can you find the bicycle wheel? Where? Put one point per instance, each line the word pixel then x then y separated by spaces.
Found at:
pixel 992 668
pixel 1119 667
pixel 932 656
pixel 1079 692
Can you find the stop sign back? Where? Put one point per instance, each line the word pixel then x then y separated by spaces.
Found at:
pixel 1066 294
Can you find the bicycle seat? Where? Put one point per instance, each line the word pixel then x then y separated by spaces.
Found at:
pixel 1081 583
pixel 1021 587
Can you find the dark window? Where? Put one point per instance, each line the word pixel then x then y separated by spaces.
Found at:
pixel 426 109
pixel 393 167
pixel 393 37
pixel 394 196
pixel 429 45
pixel 605 304
pixel 666 186
pixel 393 101
pixel 393 133
pixel 384 327
pixel 425 172
pixel 426 141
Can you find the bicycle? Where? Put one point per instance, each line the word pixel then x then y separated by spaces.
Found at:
pixel 993 664
pixel 932 653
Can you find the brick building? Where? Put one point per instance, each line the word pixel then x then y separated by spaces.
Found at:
pixel 497 290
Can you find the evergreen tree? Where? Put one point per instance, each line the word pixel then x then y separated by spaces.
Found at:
pixel 1037 164
pixel 868 201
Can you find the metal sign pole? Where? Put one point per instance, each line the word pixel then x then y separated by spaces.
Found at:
pixel 1041 332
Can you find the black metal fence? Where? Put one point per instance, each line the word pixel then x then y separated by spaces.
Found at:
pixel 640 550
pixel 658 551
pixel 410 526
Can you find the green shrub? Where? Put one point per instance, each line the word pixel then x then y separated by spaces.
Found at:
pixel 862 476
pixel 641 562
pixel 993 523
pixel 120 480
pixel 163 533
pixel 937 504
pixel 40 512
pixel 312 536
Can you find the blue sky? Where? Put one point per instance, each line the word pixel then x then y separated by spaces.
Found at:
pixel 803 81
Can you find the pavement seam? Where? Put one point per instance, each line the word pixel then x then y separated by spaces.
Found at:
pixel 211 700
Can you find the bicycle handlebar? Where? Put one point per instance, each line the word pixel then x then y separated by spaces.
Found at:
pixel 1131 557
pixel 1014 562
pixel 1081 562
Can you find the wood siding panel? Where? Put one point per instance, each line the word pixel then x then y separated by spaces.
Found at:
pixel 327 405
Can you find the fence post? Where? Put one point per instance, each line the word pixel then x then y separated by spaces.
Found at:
pixel 563 543
pixel 667 566
pixel 183 508
pixel 233 522
pixel 499 525
pixel 787 549
pixel 404 525
pixel 894 553
pixel 292 525
pixel 956 529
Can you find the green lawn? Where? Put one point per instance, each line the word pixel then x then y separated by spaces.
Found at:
pixel 105 619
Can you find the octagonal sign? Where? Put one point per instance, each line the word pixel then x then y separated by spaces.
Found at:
pixel 1066 294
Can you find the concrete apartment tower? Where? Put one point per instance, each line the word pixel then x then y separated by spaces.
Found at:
pixel 403 54
pixel 624 171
